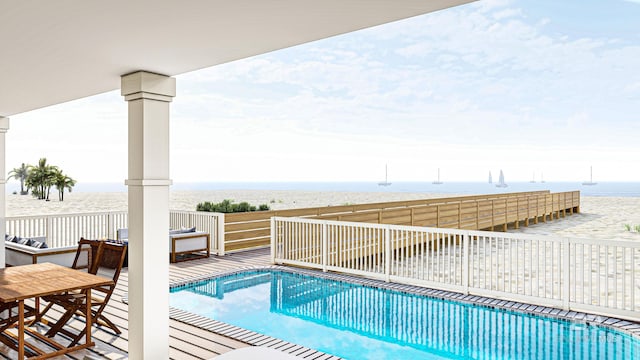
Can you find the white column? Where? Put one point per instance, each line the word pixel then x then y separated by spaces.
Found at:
pixel 149 96
pixel 4 126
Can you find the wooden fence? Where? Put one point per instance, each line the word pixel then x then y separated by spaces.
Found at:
pixel 476 212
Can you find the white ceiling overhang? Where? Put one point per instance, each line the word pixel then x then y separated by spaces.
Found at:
pixel 57 51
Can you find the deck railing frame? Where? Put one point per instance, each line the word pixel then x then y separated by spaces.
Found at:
pixel 574 274
pixel 62 230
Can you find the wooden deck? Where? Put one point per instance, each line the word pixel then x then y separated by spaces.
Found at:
pixel 186 342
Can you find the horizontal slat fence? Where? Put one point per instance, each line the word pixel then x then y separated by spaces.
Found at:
pixel 63 230
pixel 476 212
pixel 573 274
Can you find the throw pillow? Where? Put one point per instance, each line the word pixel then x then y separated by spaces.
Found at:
pixel 38 245
pixel 117 241
pixel 24 241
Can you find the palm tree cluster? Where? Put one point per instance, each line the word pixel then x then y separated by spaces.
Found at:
pixel 41 178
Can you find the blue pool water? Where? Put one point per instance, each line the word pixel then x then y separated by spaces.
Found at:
pixel 359 322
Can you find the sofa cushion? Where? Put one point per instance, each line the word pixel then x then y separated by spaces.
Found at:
pixel 122 234
pixel 182 230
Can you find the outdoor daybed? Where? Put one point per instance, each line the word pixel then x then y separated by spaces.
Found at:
pixel 32 251
pixel 184 244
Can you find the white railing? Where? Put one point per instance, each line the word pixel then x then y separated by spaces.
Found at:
pixel 66 229
pixel 595 276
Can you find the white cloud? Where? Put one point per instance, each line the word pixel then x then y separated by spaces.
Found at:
pixel 479 86
pixel 507 13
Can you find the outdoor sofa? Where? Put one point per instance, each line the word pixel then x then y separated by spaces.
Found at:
pixel 184 244
pixel 25 251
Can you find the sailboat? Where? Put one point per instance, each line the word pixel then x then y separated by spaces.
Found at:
pixel 501 183
pixel 590 182
pixel 385 182
pixel 541 177
pixel 533 179
pixel 490 178
pixel 438 182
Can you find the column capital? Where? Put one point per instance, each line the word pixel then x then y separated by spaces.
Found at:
pixel 4 124
pixel 147 85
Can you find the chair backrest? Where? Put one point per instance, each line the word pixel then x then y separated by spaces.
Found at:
pixel 87 254
pixel 112 257
pixel 110 261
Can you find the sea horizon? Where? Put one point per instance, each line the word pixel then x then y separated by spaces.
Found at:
pixel 613 189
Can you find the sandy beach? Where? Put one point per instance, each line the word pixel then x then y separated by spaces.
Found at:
pixel 600 217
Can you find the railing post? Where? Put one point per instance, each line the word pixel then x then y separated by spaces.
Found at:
pixel 566 259
pixel 220 228
pixel 493 213
pixel 466 238
pixel 273 239
pixel 325 247
pixel 387 253
pixel 110 225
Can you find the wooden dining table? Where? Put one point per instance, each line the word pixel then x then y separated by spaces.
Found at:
pixel 19 283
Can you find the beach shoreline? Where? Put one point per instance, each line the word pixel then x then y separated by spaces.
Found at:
pixel 600 217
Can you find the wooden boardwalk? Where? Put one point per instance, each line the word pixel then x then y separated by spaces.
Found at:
pixel 186 342
pixel 473 212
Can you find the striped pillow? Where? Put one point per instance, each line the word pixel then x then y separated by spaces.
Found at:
pixel 24 241
pixel 39 245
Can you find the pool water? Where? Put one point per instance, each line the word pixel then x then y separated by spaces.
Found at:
pixel 359 322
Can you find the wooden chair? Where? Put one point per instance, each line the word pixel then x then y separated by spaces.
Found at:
pixel 86 255
pixel 88 251
pixel 109 259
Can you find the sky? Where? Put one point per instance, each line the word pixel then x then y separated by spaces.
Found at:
pixel 529 87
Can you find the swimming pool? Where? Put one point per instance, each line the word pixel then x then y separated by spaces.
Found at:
pixel 354 321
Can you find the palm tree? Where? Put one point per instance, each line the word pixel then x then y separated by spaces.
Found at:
pixel 21 174
pixel 63 182
pixel 41 178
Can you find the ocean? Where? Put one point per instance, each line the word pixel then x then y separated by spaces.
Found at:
pixel 621 189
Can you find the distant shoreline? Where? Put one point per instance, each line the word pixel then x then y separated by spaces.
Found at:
pixel 623 189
